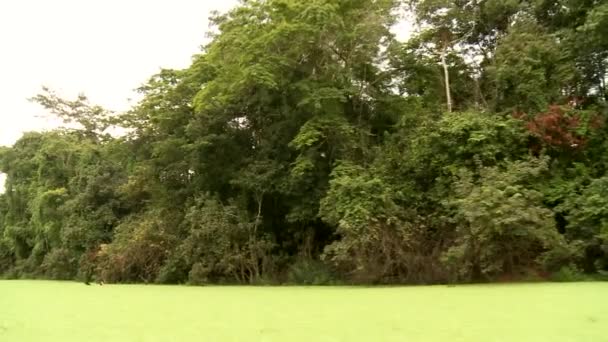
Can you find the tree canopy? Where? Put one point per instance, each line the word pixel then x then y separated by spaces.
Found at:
pixel 306 144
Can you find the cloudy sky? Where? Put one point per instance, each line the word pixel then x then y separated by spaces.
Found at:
pixel 103 48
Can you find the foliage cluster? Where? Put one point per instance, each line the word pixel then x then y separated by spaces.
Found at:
pixel 306 144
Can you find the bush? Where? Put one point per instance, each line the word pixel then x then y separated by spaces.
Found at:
pixel 310 272
pixel 199 274
pixel 60 264
pixel 561 256
pixel 503 226
pixel 373 235
pixel 568 273
pixel 140 248
pixel 11 274
pixel 224 240
pixel 24 269
pixel 587 215
pixel 602 276
pixel 6 256
pixel 174 271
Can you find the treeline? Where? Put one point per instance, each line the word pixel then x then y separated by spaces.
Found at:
pixel 305 144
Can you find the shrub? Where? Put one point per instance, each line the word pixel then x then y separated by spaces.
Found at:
pixel 568 273
pixel 503 226
pixel 310 272
pixel 6 255
pixel 140 248
pixel 225 242
pixel 381 239
pixel 199 274
pixel 174 271
pixel 587 216
pixel 60 264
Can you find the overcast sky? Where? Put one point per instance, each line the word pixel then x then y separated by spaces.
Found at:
pixel 104 49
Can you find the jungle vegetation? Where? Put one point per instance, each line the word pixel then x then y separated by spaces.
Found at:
pixel 306 144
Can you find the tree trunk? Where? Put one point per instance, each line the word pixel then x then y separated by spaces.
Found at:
pixel 253 245
pixel 603 89
pixel 446 75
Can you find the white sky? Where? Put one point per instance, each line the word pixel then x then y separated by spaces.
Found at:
pixel 104 49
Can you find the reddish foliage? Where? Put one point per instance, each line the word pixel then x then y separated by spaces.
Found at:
pixel 559 127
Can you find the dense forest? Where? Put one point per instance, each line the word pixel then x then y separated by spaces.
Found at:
pixel 306 144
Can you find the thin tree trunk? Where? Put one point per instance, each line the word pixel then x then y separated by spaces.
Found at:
pixel 480 97
pixel 446 75
pixel 603 89
pixel 253 246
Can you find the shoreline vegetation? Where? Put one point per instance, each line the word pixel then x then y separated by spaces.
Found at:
pixel 306 145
